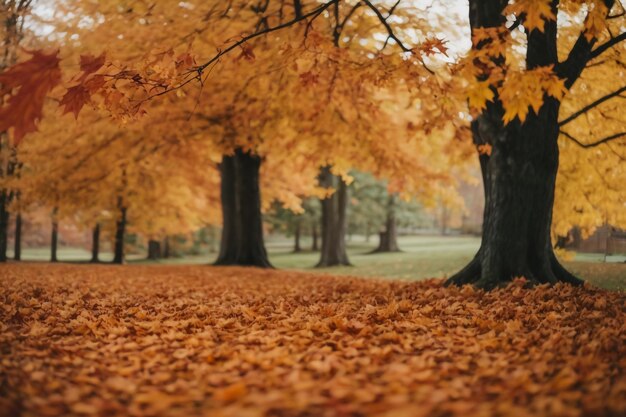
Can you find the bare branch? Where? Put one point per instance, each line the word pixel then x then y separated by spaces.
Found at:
pixel 592 144
pixel 383 21
pixel 591 106
pixel 607 45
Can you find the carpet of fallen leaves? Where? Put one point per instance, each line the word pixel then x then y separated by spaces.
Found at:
pixel 204 341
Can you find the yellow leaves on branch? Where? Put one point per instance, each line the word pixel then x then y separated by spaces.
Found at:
pixel 478 94
pixel 595 22
pixel 197 341
pixel 522 90
pixel 535 13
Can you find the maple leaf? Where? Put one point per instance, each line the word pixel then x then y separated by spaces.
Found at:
pixel 247 53
pixel 30 82
pixel 595 22
pixel 484 149
pixel 479 94
pixel 89 64
pixel 74 99
pixel 535 12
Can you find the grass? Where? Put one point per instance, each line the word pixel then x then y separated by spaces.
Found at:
pixel 421 257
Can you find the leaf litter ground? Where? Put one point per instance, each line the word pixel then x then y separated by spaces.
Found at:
pixel 203 341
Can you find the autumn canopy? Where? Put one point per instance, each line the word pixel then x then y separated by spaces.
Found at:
pixel 184 129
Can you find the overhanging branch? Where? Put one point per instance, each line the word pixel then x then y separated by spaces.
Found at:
pixel 592 144
pixel 591 106
pixel 607 45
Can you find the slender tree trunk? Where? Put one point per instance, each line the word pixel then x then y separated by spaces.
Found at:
pixel 334 221
pixel 166 248
pixel 95 244
pixel 120 233
pixel 314 245
pixel 242 234
pixel 17 245
pixel 154 250
pixel 4 224
pixel 296 235
pixel 389 237
pixel 444 220
pixel 54 241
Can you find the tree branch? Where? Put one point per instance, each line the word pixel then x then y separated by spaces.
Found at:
pixel 607 45
pixel 578 57
pixel 383 21
pixel 592 144
pixel 591 105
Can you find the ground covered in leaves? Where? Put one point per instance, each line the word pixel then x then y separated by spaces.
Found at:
pixel 188 341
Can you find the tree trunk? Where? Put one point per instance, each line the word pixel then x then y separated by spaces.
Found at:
pixel 228 243
pixel 296 236
pixel 4 224
pixel 120 232
pixel 389 237
pixel 95 244
pixel 54 241
pixel 166 248
pixel 154 250
pixel 333 221
pixel 314 245
pixel 17 245
pixel 519 177
pixel 242 233
pixel 444 220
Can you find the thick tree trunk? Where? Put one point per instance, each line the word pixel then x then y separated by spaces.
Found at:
pixel 120 233
pixel 389 237
pixel 242 233
pixel 154 250
pixel 54 241
pixel 314 244
pixel 95 244
pixel 17 244
pixel 228 243
pixel 334 221
pixel 519 177
pixel 4 224
pixel 296 236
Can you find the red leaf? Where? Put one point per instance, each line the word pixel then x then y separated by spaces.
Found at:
pixel 74 99
pixel 30 82
pixel 90 64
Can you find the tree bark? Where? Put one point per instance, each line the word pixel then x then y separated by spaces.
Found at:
pixel 154 250
pixel 242 233
pixel 518 177
pixel 389 237
pixel 166 248
pixel 17 245
pixel 54 241
pixel 228 244
pixel 334 221
pixel 314 244
pixel 296 236
pixel 95 244
pixel 4 224
pixel 120 233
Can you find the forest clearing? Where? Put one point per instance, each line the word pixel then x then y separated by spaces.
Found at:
pixel 312 208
